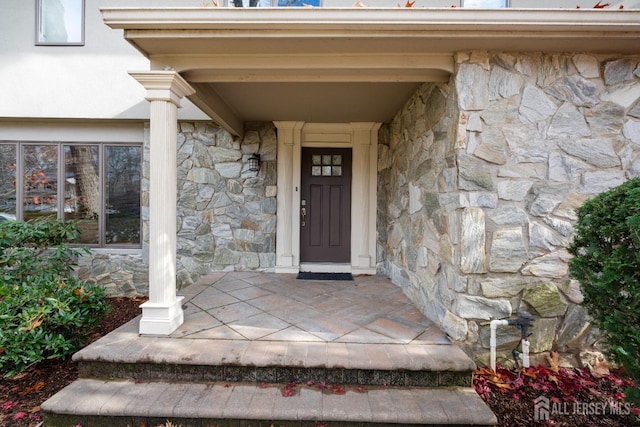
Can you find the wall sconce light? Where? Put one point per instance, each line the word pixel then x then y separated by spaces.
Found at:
pixel 254 163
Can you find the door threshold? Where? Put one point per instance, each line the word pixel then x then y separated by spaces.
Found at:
pixel 325 267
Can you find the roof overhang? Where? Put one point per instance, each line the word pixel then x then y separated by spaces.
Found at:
pixel 345 65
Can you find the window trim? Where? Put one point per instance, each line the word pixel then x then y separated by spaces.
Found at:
pixel 39 22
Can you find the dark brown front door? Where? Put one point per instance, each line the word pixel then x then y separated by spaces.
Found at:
pixel 325 205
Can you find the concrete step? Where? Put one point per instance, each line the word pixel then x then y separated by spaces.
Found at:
pixel 124 354
pixel 95 403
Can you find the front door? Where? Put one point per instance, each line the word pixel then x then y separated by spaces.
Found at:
pixel 325 205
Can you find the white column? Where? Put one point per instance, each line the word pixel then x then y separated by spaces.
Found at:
pixel 288 199
pixel 364 197
pixel 162 314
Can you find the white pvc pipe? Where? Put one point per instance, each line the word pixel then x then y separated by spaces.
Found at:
pixel 492 340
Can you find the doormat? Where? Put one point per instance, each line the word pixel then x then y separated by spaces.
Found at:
pixel 306 275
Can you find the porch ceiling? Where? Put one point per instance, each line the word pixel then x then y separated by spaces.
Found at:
pixel 345 65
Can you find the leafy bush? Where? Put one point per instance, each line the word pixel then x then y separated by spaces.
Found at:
pixel 607 265
pixel 44 310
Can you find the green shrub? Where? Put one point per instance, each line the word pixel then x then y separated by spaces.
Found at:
pixel 45 311
pixel 606 262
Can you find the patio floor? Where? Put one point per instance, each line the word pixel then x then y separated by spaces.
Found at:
pixel 247 335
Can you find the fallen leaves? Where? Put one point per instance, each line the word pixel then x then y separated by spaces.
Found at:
pixel 37 386
pixel 554 361
pixel 599 369
pixel 512 394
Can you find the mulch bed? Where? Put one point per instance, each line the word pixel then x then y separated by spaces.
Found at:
pixel 21 396
pixel 575 397
pixel 568 396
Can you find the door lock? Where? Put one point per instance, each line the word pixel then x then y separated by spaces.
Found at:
pixel 303 214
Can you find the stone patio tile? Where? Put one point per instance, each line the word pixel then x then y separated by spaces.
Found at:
pixel 239 401
pixel 363 335
pixel 383 409
pixel 378 358
pixel 231 283
pixel 262 402
pixel 210 278
pixel 222 332
pixel 309 404
pixel 216 299
pixel 358 357
pixel 274 353
pixel 255 354
pixel 287 408
pixel 166 402
pixel 147 395
pixel 232 312
pixel 213 401
pixel 291 333
pixel 394 329
pixel 326 327
pixel 271 302
pixel 316 354
pixel 249 293
pixel 195 322
pixel 407 408
pixel 296 354
pixel 258 326
pixel 432 335
pixel 191 400
pixel 123 393
pixel 433 405
pixel 337 355
pixel 397 355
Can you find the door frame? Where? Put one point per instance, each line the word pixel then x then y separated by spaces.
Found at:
pixel 362 138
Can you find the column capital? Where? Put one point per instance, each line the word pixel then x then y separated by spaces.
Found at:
pixel 163 85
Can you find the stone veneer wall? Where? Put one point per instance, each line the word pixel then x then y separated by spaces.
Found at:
pixel 536 136
pixel 226 214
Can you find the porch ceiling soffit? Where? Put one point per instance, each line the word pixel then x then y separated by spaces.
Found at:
pixel 259 64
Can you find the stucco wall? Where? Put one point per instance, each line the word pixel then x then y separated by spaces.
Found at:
pixel 536 135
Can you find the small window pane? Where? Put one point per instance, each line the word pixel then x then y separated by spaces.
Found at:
pixel 326 171
pixel 326 159
pixel 316 170
pixel 122 198
pixel 7 182
pixel 60 22
pixel 40 181
pixel 81 190
pixel 484 4
pixel 336 171
pixel 316 160
pixel 298 3
pixel 337 159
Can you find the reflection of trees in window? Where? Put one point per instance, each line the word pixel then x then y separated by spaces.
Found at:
pixel 81 190
pixel 40 181
pixel 123 194
pixel 98 186
pixel 8 178
pixel 82 180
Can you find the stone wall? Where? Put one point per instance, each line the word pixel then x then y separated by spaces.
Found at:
pixel 226 213
pixel 535 136
pixel 226 216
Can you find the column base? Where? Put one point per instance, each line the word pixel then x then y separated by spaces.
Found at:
pixel 161 319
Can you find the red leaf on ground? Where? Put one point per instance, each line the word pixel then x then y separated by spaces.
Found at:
pixel 6 406
pixel 19 415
